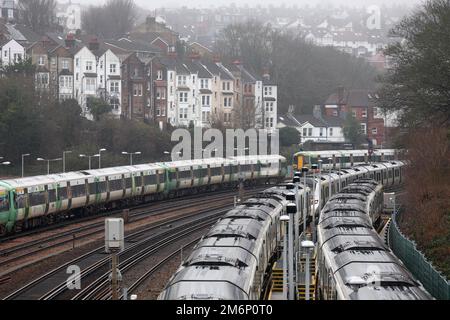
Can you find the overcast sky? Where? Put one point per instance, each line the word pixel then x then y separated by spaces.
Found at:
pixel 151 4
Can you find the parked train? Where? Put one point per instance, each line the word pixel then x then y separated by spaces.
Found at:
pixel 234 258
pixel 353 262
pixel 32 201
pixel 341 158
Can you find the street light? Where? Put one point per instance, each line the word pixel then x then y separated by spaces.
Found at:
pixel 308 246
pixel 23 156
pixel 90 157
pixel 131 155
pixel 100 157
pixel 48 162
pixel 285 220
pixel 64 159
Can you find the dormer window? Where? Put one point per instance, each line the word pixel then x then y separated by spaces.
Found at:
pixel 41 60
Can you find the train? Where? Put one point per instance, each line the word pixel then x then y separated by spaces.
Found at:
pixel 337 159
pixel 234 259
pixel 40 200
pixel 353 262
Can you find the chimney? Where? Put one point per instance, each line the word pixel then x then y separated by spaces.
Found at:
pixel 340 95
pixel 317 112
pixel 70 41
pixel 94 45
pixel 266 74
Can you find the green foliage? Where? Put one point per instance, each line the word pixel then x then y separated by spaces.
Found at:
pixel 418 85
pixel 98 107
pixel 289 136
pixel 306 74
pixel 352 131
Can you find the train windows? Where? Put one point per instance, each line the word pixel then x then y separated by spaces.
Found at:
pixel 128 183
pixel 115 185
pixel 246 167
pixel 93 188
pixel 150 180
pixel 216 171
pixel 37 198
pixel 234 169
pixel 257 167
pixel 200 173
pixel 62 193
pixel 52 195
pixel 78 191
pixel 184 174
pixel 4 202
pixel 138 181
pixel 397 173
pixel 101 186
pixel 21 201
pixel 173 175
pixel 227 169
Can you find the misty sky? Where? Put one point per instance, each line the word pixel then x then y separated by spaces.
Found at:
pixel 151 4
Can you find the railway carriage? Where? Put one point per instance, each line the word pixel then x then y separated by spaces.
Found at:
pixel 32 201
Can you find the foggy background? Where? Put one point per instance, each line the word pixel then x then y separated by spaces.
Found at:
pixel 151 4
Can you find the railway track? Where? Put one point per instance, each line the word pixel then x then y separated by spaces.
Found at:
pixel 95 263
pixel 34 247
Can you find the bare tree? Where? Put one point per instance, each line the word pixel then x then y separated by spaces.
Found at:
pixel 38 14
pixel 114 19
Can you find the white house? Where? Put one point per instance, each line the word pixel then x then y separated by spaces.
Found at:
pixel 86 77
pixel 12 52
pixel 270 103
pixel 325 129
pixel 109 80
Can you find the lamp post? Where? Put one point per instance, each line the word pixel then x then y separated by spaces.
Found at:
pixel 64 159
pixel 131 155
pixel 291 210
pixel 48 162
pixel 329 178
pixel 319 204
pixel 89 157
pixel 23 156
pixel 308 246
pixel 304 172
pixel 284 221
pixel 100 157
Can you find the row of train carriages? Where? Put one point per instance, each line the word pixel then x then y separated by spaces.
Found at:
pixel 40 200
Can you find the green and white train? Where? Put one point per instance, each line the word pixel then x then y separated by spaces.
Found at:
pixel 34 201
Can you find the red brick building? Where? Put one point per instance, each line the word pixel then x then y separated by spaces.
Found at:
pixel 361 105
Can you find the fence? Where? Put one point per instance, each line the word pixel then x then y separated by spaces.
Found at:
pixel 416 262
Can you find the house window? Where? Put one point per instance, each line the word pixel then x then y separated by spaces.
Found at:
pixel 112 68
pixel 101 79
pixel 354 114
pixel 310 132
pixel 335 113
pixel 90 84
pixel 205 100
pixel 374 130
pixel 114 86
pixel 363 128
pixel 65 64
pixel 364 114
pixel 76 77
pixel 160 93
pixel 115 103
pixel 193 79
pixel 183 97
pixel 77 62
pixel 136 72
pixel 88 65
pixel 227 102
pixel 305 132
pixel 181 80
pixel 331 132
pixel 267 91
pixel 41 60
pixel 137 90
pixel 159 75
pixel 321 132
pixel 228 85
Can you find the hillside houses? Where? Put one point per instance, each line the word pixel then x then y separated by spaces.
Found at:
pixel 144 81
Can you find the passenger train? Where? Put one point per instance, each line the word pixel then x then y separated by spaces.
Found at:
pixel 341 158
pixel 32 201
pixel 234 259
pixel 353 262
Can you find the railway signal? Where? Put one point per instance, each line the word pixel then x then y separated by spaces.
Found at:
pixel 114 243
